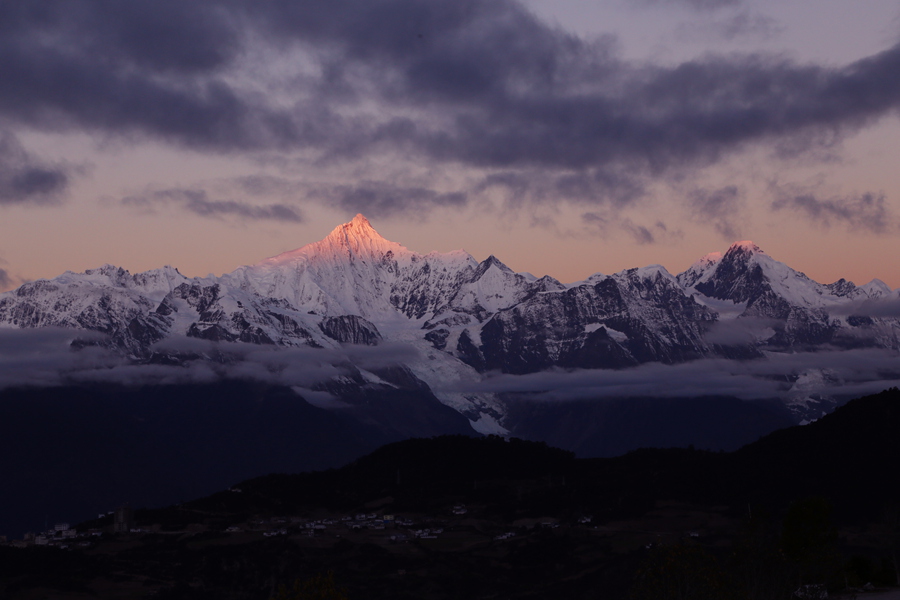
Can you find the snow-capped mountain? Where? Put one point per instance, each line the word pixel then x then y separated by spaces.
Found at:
pixel 461 318
pixel 800 313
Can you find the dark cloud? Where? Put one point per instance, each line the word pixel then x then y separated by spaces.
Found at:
pixel 744 25
pixel 641 234
pixel 868 212
pixel 719 208
pixel 215 208
pixel 25 179
pixel 646 234
pixel 384 199
pixel 265 185
pixel 127 68
pixel 478 83
pixel 748 25
pixel 609 186
pixel 602 223
pixel 198 202
pixel 594 219
pixel 695 4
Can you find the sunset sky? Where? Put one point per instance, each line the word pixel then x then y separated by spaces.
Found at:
pixel 566 137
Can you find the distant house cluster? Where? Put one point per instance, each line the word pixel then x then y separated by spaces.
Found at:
pixel 61 535
pixel 312 527
pixel 457 517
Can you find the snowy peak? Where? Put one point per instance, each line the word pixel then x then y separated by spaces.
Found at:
pixel 113 272
pixel 356 235
pixel 709 260
pixel 355 239
pixel 700 270
pixel 651 272
pixel 875 289
pixel 358 239
pixel 746 273
pixel 356 271
pixel 651 276
pixel 491 261
pixel 744 248
pixel 361 223
pixel 842 287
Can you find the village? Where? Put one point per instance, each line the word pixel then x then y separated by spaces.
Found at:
pixel 405 549
pixel 374 527
pixel 455 528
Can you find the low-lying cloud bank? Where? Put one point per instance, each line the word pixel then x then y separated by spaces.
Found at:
pixel 848 372
pixel 46 357
pixel 55 356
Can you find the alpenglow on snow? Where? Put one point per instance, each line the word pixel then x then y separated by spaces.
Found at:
pixel 460 320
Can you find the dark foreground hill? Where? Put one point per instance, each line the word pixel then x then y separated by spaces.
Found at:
pixel 489 518
pixel 846 456
pixel 67 453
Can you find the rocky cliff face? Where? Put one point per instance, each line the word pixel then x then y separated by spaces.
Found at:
pixel 633 317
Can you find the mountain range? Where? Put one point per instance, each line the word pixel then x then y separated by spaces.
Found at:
pixel 357 311
pixel 155 387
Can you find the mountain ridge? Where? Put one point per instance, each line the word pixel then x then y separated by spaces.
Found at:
pixel 462 319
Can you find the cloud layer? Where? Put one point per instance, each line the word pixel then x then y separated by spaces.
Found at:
pixel 477 83
pixel 45 356
pixel 197 201
pixel 856 372
pixel 25 179
pixel 867 212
